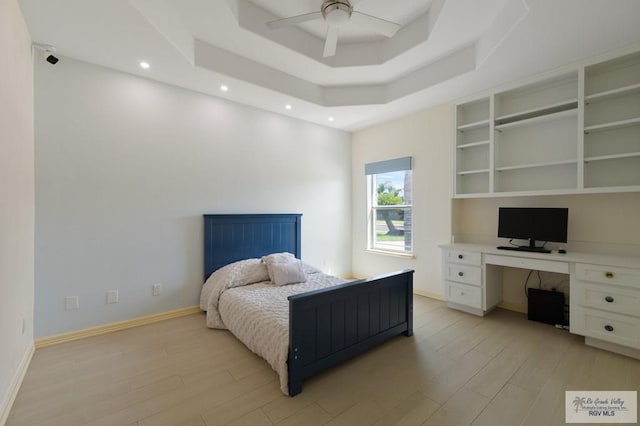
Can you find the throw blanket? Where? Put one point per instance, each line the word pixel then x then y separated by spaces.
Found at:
pixel 258 315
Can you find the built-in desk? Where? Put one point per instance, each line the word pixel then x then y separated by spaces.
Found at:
pixel 604 289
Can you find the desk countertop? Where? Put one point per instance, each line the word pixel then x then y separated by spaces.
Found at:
pixel 569 257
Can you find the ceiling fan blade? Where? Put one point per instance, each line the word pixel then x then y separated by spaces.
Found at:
pixel 294 20
pixel 379 25
pixel 331 43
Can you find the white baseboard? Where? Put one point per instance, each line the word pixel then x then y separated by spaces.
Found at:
pixel 16 383
pixel 515 307
pixel 116 326
pixel 428 294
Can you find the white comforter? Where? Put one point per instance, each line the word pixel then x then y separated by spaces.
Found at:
pixel 258 315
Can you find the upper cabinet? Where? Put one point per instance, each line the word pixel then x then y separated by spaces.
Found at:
pixel 576 132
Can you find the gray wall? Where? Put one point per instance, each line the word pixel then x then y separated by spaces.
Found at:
pixel 125 167
pixel 16 198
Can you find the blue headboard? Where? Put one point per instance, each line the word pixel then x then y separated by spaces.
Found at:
pixel 232 237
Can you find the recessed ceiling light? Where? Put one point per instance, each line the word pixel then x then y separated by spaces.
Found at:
pixel 330 118
pixel 144 65
pixel 224 88
pixel 288 106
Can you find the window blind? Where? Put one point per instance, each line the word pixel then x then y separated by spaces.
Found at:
pixel 387 166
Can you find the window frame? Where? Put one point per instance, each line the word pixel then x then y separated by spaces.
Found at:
pixel 371 171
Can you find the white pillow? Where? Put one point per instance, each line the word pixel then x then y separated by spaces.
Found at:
pixel 278 258
pixel 284 273
pixel 237 274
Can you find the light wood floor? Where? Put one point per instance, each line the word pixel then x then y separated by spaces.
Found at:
pixel 457 369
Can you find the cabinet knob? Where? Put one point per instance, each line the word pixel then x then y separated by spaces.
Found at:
pixel 608 274
pixel 462 293
pixel 608 327
pixel 609 299
pixel 460 274
pixel 460 256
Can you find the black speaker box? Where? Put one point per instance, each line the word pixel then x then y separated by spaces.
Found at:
pixel 546 306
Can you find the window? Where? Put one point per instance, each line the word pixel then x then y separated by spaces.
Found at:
pixel 390 212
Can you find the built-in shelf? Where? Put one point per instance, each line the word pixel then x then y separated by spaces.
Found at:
pixel 537 119
pixel 537 112
pixel 543 141
pixel 534 165
pixel 612 125
pixel 473 172
pixel 612 156
pixel 472 144
pixel 474 125
pixel 620 91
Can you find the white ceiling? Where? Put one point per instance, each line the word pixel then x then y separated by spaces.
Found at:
pixel 446 49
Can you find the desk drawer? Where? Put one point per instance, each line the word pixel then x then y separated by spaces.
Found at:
pixel 620 329
pixel 464 257
pixel 527 263
pixel 464 294
pixel 606 297
pixel 463 274
pixel 608 274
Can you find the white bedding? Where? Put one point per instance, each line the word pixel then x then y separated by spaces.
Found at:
pixel 258 315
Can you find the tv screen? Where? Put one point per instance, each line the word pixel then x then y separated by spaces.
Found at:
pixel 532 223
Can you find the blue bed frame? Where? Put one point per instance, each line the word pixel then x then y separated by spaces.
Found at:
pixel 326 326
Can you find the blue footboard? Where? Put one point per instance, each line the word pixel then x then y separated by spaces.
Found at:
pixel 331 325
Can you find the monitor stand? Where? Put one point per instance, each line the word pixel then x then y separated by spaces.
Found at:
pixel 525 248
pixel 531 247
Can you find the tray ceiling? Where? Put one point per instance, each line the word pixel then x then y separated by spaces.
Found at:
pixel 445 49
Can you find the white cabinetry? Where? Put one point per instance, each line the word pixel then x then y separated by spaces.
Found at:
pixel 465 282
pixel 605 304
pixel 577 132
pixel 612 123
pixel 473 146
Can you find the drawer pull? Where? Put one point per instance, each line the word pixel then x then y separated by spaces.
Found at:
pixel 460 256
pixel 608 274
pixel 609 299
pixel 608 327
pixel 461 274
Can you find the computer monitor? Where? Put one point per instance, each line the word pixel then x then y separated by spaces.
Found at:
pixel 533 224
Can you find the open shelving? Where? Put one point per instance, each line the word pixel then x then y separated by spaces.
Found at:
pixel 537 119
pixel 577 131
pixel 607 94
pixel 605 127
pixel 473 146
pixel 474 125
pixel 536 165
pixel 544 110
pixel 612 156
pixel 612 123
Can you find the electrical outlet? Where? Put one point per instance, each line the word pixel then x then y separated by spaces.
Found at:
pixel 157 289
pixel 71 303
pixel 112 296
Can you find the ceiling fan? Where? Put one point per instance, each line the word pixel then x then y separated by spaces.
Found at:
pixel 336 13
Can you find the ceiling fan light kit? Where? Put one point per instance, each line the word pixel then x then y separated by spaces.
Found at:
pixel 335 14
